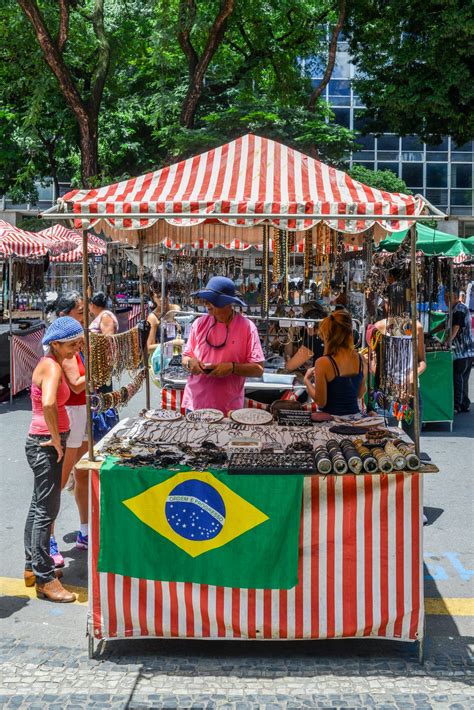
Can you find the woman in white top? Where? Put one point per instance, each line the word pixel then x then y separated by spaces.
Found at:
pixel 104 321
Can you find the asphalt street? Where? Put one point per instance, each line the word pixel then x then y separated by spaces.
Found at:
pixel 44 660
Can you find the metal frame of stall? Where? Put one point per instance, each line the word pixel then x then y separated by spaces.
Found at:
pixel 244 217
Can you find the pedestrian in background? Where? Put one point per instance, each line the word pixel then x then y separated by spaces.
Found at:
pixel 45 446
pixel 463 350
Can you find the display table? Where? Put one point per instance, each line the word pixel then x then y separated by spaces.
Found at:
pixel 360 564
pixel 436 387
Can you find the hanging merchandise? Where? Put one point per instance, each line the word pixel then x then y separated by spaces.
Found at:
pixel 111 355
pixel 277 255
pixel 308 256
pixel 104 401
pixel 265 272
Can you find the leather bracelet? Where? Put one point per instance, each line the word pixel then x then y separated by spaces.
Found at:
pixel 233 368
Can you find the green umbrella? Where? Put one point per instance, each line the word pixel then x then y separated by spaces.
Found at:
pixel 431 242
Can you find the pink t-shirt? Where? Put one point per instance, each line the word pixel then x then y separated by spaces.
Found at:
pixel 242 346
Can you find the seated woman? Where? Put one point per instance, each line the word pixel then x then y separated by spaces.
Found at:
pixel 340 375
pixel 311 348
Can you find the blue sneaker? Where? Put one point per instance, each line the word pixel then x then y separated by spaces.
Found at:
pixel 82 541
pixel 58 559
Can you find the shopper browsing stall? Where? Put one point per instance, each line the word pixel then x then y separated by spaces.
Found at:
pixel 104 321
pixel 223 349
pixel 45 446
pixel 463 347
pixel 337 382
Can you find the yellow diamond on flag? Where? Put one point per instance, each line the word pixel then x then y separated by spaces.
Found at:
pixel 195 511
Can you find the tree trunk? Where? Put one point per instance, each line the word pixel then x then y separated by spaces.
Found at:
pixel 331 57
pixel 89 145
pixel 197 66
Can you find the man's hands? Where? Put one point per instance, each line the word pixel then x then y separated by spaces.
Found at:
pixel 222 370
pixel 195 366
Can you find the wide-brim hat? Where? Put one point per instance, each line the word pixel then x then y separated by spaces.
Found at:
pixel 220 291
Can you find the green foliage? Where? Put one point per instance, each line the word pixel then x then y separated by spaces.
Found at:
pixel 380 179
pixel 414 60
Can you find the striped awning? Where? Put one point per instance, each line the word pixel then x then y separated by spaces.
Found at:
pixel 20 243
pixel 250 176
pixel 95 245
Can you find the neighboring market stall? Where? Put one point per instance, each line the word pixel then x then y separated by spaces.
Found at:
pixel 438 252
pixel 353 566
pixel 25 256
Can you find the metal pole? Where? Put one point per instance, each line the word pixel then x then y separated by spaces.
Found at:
pixel 162 330
pixel 414 331
pixel 142 316
pixel 85 296
pixel 10 291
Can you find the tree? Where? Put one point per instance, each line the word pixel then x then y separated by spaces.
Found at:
pixel 380 179
pixel 415 69
pixel 52 34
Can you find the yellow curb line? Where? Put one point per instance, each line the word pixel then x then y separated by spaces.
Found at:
pixel 449 606
pixel 10 587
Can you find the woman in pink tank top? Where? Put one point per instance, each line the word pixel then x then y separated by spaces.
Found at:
pixel 45 445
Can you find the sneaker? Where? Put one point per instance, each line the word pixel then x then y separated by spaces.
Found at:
pixel 82 541
pixel 58 559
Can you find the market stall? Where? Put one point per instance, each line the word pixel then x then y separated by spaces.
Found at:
pixel 438 252
pixel 25 256
pixel 356 561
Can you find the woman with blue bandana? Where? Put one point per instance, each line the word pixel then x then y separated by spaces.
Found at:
pixel 45 446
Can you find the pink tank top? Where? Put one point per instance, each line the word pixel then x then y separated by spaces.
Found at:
pixel 95 325
pixel 38 424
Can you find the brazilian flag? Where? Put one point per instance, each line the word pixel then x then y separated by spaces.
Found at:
pixel 200 526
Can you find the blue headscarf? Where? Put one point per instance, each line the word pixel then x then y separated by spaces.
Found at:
pixel 62 330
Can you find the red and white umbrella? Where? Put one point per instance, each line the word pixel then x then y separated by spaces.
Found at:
pixel 18 242
pixel 59 232
pixel 250 176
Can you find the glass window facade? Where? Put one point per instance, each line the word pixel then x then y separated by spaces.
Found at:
pixel 442 172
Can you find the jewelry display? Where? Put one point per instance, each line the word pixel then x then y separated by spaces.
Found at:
pixel 353 459
pixel 308 255
pixel 102 401
pixel 338 461
pixel 277 240
pixel 413 462
pixel 396 457
pixel 323 462
pixel 383 461
pixel 113 355
pixel 369 461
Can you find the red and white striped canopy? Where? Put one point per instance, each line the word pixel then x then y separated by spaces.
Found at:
pixel 95 245
pixel 248 176
pixel 20 243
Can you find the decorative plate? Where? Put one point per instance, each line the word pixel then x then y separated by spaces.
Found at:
pixel 251 416
pixel 205 415
pixel 163 415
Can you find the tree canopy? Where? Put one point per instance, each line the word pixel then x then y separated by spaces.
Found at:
pixel 415 68
pixel 98 90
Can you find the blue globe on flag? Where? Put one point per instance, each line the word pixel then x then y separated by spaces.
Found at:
pixel 195 510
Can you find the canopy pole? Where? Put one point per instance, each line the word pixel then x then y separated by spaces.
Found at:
pixel 162 315
pixel 414 331
pixel 10 291
pixel 142 316
pixel 85 296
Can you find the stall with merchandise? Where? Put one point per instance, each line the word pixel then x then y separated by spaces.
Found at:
pixel 438 255
pixel 336 549
pixel 24 257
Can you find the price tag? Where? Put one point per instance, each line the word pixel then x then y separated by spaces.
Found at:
pixel 284 322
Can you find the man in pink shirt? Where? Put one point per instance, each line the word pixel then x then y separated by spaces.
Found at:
pixel 222 350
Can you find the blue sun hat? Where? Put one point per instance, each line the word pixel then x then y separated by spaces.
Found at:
pixel 60 331
pixel 220 291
